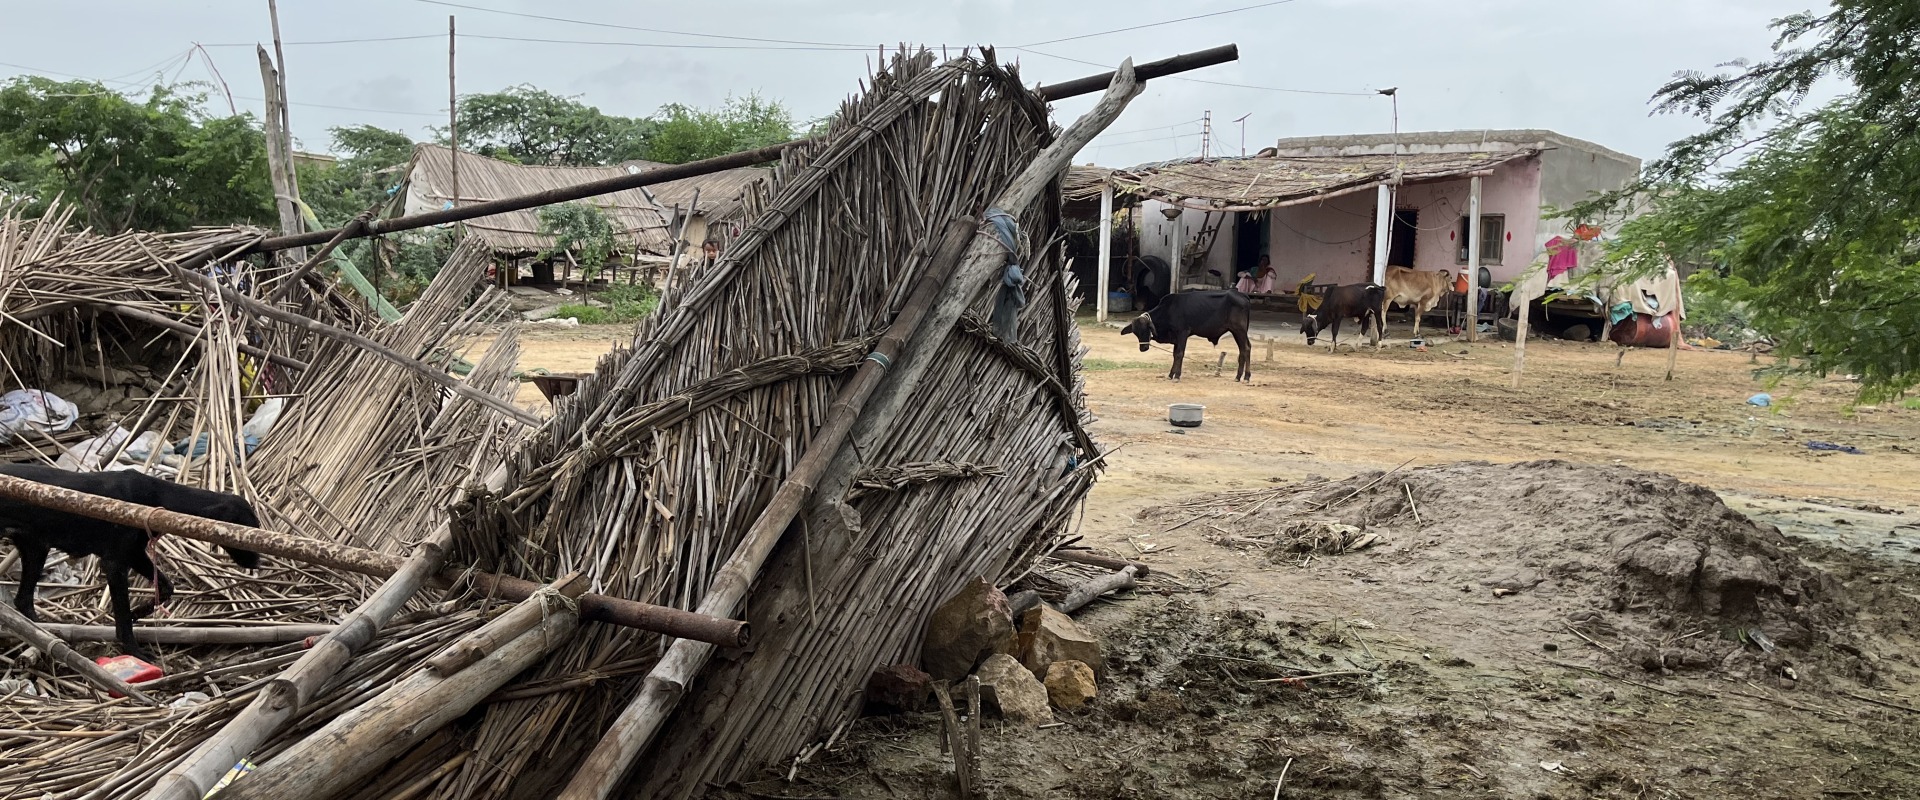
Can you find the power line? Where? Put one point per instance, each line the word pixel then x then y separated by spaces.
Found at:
pixel 333 41
pixel 1157 24
pixel 142 84
pixel 634 27
pixel 1154 129
pixel 833 49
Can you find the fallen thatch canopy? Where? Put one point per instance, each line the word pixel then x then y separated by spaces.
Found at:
pixel 855 301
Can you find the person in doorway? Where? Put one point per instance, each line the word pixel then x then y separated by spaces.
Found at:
pixel 1259 280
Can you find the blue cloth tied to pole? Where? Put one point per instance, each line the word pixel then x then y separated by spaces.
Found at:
pixel 1013 282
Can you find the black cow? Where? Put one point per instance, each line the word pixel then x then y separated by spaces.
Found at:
pixel 1206 314
pixel 1361 301
pixel 1152 280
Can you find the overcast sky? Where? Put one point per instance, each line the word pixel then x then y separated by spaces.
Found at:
pixel 1583 69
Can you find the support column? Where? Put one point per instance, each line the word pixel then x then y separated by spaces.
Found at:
pixel 1106 250
pixel 1382 233
pixel 1473 261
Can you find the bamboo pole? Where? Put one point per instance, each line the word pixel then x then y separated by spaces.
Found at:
pixel 282 699
pixel 355 744
pixel 1473 259
pixel 630 734
pixel 192 634
pixel 186 273
pixel 1097 560
pixel 1154 69
pixel 18 624
pixel 598 608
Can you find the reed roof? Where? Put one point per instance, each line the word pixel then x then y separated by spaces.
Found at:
pixel 640 223
pixel 1256 183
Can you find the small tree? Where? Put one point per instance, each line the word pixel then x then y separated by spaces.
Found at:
pixel 582 229
pixel 684 133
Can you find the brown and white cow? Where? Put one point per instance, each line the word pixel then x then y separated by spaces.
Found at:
pixel 1421 289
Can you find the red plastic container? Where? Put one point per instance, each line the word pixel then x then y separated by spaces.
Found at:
pixel 129 669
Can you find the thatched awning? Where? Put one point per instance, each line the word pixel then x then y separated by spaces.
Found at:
pixel 720 192
pixel 1258 183
pixel 640 222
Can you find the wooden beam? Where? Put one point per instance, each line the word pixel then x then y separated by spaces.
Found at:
pixel 25 630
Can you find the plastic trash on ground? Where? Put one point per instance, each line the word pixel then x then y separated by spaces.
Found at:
pixel 35 409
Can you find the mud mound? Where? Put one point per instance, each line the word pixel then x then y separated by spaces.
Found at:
pixel 1661 567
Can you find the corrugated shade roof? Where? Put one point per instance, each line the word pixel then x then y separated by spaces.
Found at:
pixel 641 223
pixel 1256 183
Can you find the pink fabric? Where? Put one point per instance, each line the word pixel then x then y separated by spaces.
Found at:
pixel 1562 257
pixel 1248 285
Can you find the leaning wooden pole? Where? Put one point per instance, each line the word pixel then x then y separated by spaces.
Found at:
pixel 633 731
pixel 17 624
pixel 1088 85
pixel 282 699
pixel 598 608
pixel 355 744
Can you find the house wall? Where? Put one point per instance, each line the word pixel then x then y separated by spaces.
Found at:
pixel 1334 240
pixel 1156 238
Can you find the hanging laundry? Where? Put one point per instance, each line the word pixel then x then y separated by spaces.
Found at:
pixel 1562 257
pixel 1013 282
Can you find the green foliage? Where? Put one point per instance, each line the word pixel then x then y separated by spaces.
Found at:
pixel 372 160
pixel 624 303
pixel 1110 365
pixel 533 126
pixel 686 134
pixel 413 258
pixel 1813 222
pixel 158 164
pixel 582 229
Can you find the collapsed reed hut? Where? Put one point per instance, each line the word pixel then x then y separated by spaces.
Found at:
pixel 858 408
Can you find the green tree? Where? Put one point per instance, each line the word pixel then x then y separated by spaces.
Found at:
pixel 533 126
pixel 742 123
pixel 371 166
pixel 1809 216
pixel 158 164
pixel 582 229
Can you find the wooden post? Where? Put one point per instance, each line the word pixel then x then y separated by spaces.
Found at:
pixel 363 740
pixel 929 307
pixel 453 116
pixel 18 624
pixel 1382 231
pixel 1520 339
pixel 626 613
pixel 1473 259
pixel 1679 305
pixel 282 699
pixel 279 157
pixel 1106 249
pixel 192 634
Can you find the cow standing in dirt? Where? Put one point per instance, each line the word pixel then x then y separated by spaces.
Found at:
pixel 1420 289
pixel 1361 301
pixel 1206 314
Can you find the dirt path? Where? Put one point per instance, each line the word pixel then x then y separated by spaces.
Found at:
pixel 1467 697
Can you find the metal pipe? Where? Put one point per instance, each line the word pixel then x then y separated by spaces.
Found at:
pixel 1058 91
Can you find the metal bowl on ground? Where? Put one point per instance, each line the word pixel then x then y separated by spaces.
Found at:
pixel 1185 415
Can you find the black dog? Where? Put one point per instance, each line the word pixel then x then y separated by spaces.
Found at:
pixel 35 530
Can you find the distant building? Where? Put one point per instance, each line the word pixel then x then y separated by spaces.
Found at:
pixel 1313 203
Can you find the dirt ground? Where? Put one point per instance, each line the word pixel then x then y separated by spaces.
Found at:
pixel 1447 675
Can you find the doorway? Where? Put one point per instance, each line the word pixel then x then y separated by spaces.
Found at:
pixel 1406 229
pixel 1249 240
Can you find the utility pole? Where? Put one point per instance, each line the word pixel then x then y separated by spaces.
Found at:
pixel 453 115
pixel 1206 134
pixel 1242 122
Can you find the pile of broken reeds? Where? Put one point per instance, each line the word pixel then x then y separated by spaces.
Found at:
pixel 367 452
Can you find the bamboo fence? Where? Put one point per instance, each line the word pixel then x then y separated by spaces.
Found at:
pixel 646 482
